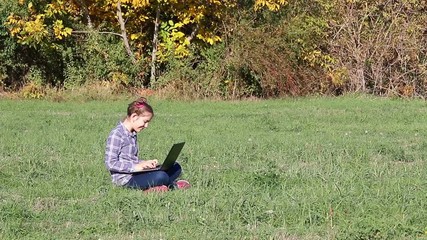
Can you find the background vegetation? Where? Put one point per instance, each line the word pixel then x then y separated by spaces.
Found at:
pixel 216 49
pixel 312 168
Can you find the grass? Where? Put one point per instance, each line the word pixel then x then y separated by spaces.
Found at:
pixel 313 168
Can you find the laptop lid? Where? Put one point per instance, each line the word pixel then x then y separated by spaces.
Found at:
pixel 172 156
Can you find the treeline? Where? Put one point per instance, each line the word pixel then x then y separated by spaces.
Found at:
pixel 213 48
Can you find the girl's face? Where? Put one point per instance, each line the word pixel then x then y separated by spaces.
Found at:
pixel 139 122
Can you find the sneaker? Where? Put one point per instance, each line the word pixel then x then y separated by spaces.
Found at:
pixel 182 184
pixel 161 188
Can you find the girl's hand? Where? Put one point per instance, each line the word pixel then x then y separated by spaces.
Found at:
pixel 147 164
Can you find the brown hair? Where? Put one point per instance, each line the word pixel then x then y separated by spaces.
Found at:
pixel 139 106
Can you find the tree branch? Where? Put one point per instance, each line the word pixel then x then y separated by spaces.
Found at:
pixel 124 35
pixel 86 13
pixel 155 43
pixel 87 32
pixel 193 33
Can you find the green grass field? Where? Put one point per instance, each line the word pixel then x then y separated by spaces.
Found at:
pixel 312 168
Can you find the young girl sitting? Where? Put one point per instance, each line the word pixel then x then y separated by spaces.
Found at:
pixel 121 154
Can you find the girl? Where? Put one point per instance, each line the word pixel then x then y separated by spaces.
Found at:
pixel 121 154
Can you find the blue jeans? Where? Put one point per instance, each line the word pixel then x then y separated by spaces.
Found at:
pixel 155 178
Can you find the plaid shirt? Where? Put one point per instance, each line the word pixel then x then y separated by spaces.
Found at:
pixel 121 154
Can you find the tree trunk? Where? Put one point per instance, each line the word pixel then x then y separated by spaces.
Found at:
pixel 193 33
pixel 155 42
pixel 124 35
pixel 86 13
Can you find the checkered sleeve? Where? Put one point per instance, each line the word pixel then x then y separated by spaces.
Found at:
pixel 112 155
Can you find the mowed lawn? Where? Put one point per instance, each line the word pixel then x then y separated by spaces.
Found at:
pixel 309 168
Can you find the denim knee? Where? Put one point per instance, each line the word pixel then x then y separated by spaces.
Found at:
pixel 160 178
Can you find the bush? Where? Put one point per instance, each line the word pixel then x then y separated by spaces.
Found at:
pixel 254 60
pixel 383 47
pixel 199 76
pixel 99 57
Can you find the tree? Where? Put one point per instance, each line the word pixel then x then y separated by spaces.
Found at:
pixel 167 27
pixel 41 24
pixel 382 46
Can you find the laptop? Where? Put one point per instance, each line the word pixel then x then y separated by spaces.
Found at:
pixel 170 158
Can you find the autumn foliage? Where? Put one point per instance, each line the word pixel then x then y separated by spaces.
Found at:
pixel 212 48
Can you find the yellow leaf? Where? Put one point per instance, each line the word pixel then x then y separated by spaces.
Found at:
pixel 133 36
pixel 68 30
